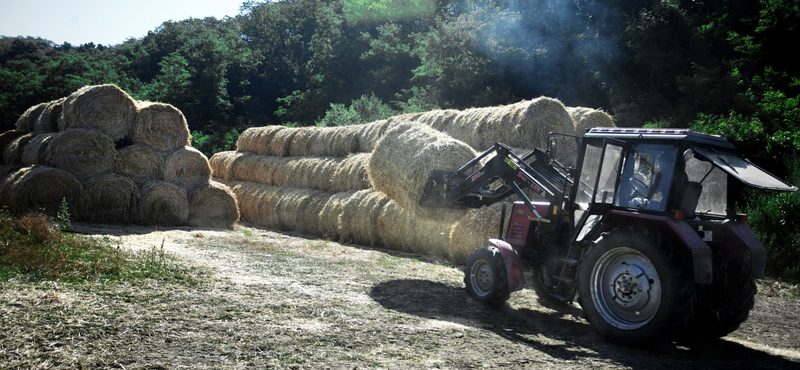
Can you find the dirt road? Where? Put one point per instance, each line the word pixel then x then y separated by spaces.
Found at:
pixel 274 300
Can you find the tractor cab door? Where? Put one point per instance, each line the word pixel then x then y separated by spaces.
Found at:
pixel 647 177
pixel 597 184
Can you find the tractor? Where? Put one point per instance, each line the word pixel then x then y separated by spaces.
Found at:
pixel 639 227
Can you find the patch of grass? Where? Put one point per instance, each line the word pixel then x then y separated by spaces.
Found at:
pixel 32 247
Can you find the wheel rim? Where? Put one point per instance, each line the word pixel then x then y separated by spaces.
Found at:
pixel 482 278
pixel 626 288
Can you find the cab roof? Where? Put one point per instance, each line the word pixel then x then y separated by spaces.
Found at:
pixel 658 134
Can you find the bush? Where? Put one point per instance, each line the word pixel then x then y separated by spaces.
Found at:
pixel 362 110
pixel 217 141
pixel 775 218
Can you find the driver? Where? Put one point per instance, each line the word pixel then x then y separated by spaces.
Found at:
pixel 659 185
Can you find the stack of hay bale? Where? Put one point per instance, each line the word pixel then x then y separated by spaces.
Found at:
pixel 114 160
pixel 362 184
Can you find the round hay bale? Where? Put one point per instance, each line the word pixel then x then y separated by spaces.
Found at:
pixel 83 153
pixel 538 118
pixel 358 219
pixel 369 134
pixel 521 125
pixel 321 172
pixel 36 152
pixel 7 178
pixel 586 118
pixel 27 120
pixel 212 205
pixel 301 141
pixel 5 139
pixel 298 209
pixel 42 189
pixel 395 227
pixel 105 108
pixel 281 142
pixel 12 154
pixel 306 172
pixel 256 168
pixel 475 229
pixel 112 199
pixel 141 163
pixel 160 126
pixel 441 120
pixel 221 162
pixel 48 120
pixel 188 168
pixel 5 170
pixel 350 173
pixel 163 204
pixel 399 229
pixel 257 203
pixel 345 141
pixel 338 141
pixel 329 215
pixel 257 139
pixel 403 161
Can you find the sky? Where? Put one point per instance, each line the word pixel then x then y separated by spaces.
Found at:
pixel 106 22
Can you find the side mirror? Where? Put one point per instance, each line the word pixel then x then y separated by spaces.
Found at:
pixel 551 150
pixel 687 155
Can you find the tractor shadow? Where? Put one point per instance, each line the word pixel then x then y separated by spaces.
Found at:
pixel 559 331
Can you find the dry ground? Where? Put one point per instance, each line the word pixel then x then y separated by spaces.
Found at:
pixel 274 300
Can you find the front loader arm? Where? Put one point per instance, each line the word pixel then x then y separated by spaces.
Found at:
pixel 488 179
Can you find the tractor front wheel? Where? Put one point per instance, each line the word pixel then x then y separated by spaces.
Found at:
pixel 485 276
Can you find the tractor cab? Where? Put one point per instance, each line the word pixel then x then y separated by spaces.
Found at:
pixel 678 174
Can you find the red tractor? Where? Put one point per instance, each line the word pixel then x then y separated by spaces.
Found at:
pixel 641 230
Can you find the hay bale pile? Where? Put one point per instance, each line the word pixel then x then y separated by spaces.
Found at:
pixel 362 184
pixel 315 181
pixel 115 160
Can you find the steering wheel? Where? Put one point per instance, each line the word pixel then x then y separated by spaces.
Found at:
pixel 639 187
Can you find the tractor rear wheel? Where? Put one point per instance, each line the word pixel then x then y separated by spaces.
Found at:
pixel 634 289
pixel 724 304
pixel 485 276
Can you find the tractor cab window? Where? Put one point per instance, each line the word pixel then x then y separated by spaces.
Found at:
pixel 598 178
pixel 647 177
pixel 712 185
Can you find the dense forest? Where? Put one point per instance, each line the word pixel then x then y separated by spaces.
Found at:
pixel 716 66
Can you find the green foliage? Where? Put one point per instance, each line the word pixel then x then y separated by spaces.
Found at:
pixel 31 247
pixel 735 127
pixel 775 218
pixel 416 99
pixel 215 141
pixel 373 11
pixel 362 110
pixel 64 223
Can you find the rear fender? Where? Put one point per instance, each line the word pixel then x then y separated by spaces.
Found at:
pixel 516 278
pixel 701 254
pixel 740 236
